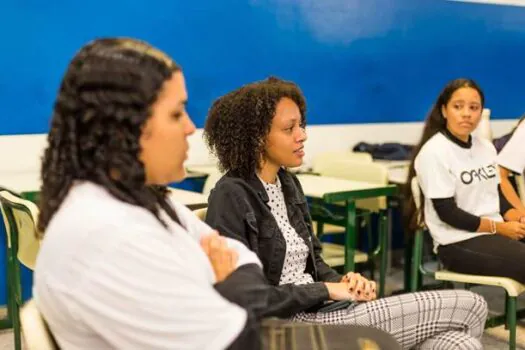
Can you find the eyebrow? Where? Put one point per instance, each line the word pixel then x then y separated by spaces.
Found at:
pixel 463 101
pixel 183 102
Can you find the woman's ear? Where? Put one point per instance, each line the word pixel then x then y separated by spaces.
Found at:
pixel 443 112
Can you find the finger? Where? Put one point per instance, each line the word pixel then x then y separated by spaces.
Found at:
pixel 346 278
pixel 352 284
pixel 373 286
pixel 234 257
pixel 359 289
pixel 222 243
pixel 205 244
pixel 367 290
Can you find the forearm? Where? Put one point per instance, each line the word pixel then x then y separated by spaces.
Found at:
pixel 248 288
pixel 508 191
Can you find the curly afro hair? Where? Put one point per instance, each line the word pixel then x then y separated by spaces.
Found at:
pixel 239 122
pixel 102 105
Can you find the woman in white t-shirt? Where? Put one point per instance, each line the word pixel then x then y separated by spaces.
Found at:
pixel 122 264
pixel 511 159
pixel 474 228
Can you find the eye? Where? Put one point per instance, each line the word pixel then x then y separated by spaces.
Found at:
pixel 176 115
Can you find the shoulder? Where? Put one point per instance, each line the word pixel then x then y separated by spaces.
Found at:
pixel 433 147
pixel 234 187
pixel 89 206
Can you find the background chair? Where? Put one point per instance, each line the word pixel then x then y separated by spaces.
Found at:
pixel 512 287
pixel 484 130
pixel 201 213
pixel 37 335
pixel 355 167
pixel 20 218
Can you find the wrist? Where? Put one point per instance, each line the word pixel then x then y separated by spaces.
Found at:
pixel 499 226
pixel 493 227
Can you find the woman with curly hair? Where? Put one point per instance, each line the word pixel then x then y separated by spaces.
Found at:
pixel 256 132
pixel 122 264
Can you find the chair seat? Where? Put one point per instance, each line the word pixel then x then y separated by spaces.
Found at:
pixel 36 333
pixel 329 228
pixel 511 286
pixel 334 255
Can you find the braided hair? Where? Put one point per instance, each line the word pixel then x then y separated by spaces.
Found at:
pixel 103 102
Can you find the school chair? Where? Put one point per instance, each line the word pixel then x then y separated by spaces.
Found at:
pixel 323 164
pixel 210 182
pixel 201 213
pixel 20 218
pixel 512 288
pixel 37 335
pixel 349 168
pixel 483 129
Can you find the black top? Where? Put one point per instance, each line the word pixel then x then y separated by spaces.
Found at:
pixel 238 209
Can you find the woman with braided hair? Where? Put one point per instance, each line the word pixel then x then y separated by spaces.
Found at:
pixel 121 264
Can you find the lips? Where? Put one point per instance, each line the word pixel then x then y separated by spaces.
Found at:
pixel 299 151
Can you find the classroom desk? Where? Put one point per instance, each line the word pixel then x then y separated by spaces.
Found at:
pixel 393 164
pixel 27 183
pixel 193 200
pixel 398 176
pixel 205 169
pixel 333 190
pixel 397 170
pixel 22 181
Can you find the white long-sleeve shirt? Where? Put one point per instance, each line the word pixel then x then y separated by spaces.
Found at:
pixel 109 275
pixel 512 156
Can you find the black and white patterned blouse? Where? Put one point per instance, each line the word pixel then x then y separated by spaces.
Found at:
pixel 296 249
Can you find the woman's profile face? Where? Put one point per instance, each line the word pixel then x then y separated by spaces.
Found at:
pixel 164 136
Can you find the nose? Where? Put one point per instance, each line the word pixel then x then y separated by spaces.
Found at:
pixel 302 136
pixel 467 112
pixel 190 126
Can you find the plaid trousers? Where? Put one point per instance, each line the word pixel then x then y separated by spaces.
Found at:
pixel 445 319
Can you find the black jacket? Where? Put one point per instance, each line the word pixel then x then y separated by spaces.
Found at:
pixel 238 209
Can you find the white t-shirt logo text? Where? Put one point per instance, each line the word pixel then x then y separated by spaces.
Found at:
pixel 483 173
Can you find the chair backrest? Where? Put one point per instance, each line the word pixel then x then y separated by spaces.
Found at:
pixel 37 335
pixel 350 169
pixel 483 129
pixel 416 193
pixel 201 213
pixel 210 182
pixel 324 161
pixel 20 220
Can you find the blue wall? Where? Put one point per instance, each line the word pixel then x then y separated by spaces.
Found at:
pixel 357 61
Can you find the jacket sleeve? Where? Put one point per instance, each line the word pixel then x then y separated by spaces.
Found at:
pixel 227 210
pixel 325 272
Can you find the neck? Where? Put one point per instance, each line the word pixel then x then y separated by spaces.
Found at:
pixel 268 172
pixel 458 141
pixel 463 138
